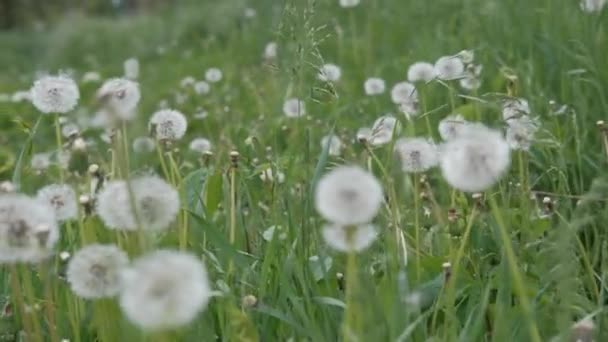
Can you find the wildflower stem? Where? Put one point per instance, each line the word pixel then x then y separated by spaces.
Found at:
pixel 18 297
pixel 59 145
pixel 416 178
pixel 49 302
pixel 518 280
pixel 350 328
pixel 29 293
pixel 163 164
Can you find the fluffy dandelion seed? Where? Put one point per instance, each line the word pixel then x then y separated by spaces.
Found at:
pixel 121 97
pixel 94 271
pixel 156 201
pixel 270 50
pixel 421 72
pixel 515 108
pixel 202 88
pixel 143 145
pixel 294 108
pixel 449 68
pixel 335 144
pixel 364 134
pixel 452 126
pixel 40 161
pixel 55 94
pixel 91 77
pixel 268 176
pixel 200 145
pixel 520 132
pixel 201 114
pixel 168 125
pixel 187 81
pixel 348 195
pixel 164 290
pixel 471 79
pixel 213 75
pixel 330 73
pixel 404 92
pixel 131 68
pixel 21 96
pixel 352 238
pixel 374 86
pixel 475 160
pixel 592 6
pixel 28 229
pixel 61 198
pixel 349 3
pixel 69 130
pixel 416 154
pixel 383 130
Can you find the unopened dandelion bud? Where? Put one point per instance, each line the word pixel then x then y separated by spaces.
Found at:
pixel 447 271
pixel 249 301
pixel 234 158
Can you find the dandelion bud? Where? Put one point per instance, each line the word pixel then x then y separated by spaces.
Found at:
pixel 447 271
pixel 94 169
pixel 234 158
pixel 249 301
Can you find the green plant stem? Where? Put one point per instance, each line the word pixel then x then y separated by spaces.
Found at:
pixel 59 143
pixel 351 323
pixel 17 297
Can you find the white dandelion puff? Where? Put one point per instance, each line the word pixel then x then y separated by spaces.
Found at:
pixel 294 108
pixel 416 154
pixel 91 77
pixel 60 197
pixel 40 161
pixel 449 68
pixel 202 88
pixel 270 50
pixel 121 97
pixel 143 145
pixel 330 73
pixel 94 271
pixel 452 126
pixel 383 130
pixel 515 108
pixel 187 81
pixel 333 144
pixel 348 195
pixel 520 132
pixel 200 145
pixel 374 86
pixel 28 229
pixel 421 72
pixel 69 129
pixel 168 125
pixel 466 56
pixel 476 159
pixel 164 290
pixel 404 92
pixel 213 75
pixel 55 94
pixel 131 68
pixel 269 176
pixel 364 134
pixel 592 6
pixel 351 238
pixel 349 3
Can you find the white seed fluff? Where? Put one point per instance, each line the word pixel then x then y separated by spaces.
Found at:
pixel 520 132
pixel 131 68
pixel 421 72
pixel 94 271
pixel 452 126
pixel 592 6
pixel 449 68
pixel 352 238
pixel 91 76
pixel 383 130
pixel 416 154
pixel 270 50
pixel 335 144
pixel 404 92
pixel 62 198
pixel 169 125
pixel 213 75
pixel 475 160
pixel 330 73
pixel 202 88
pixel 187 81
pixel 515 108
pixel 268 176
pixel 294 108
pixel 200 145
pixel 348 195
pixel 121 97
pixel 40 161
pixel 55 94
pixel 28 229
pixel 374 86
pixel 164 290
pixel 349 3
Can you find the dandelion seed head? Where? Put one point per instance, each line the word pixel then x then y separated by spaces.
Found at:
pixel 404 92
pixel 187 81
pixel 169 125
pixel 91 77
pixel 335 144
pixel 55 94
pixel 131 68
pixel 592 6
pixel 60 197
pixel 374 86
pixel 164 290
pixel 515 108
pixel 202 88
pixel 143 145
pixel 348 195
pixel 452 126
pixel 270 50
pixel 294 108
pixel 94 271
pixel 213 75
pixel 476 159
pixel 330 73
pixel 40 161
pixel 383 130
pixel 421 72
pixel 200 145
pixel 269 176
pixel 121 96
pixel 449 68
pixel 520 132
pixel 28 229
pixel 349 3
pixel 416 154
pixel 351 238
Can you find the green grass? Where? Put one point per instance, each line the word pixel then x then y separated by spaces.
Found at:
pixel 561 265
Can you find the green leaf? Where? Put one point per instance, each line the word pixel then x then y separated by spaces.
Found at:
pixel 25 151
pixel 192 189
pixel 213 193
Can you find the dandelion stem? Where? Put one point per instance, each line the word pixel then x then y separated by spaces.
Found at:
pixel 29 292
pixel 416 178
pixel 351 326
pixel 59 146
pixel 17 297
pixel 49 302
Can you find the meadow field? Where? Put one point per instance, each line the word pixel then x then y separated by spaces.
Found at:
pixel 307 170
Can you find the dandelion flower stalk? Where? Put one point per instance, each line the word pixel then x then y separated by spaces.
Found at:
pixel 234 159
pixel 351 321
pixel 17 296
pixel 49 302
pixel 59 142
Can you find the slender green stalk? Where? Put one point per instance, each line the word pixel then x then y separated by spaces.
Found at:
pixel 18 299
pixel 49 303
pixel 351 328
pixel 58 140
